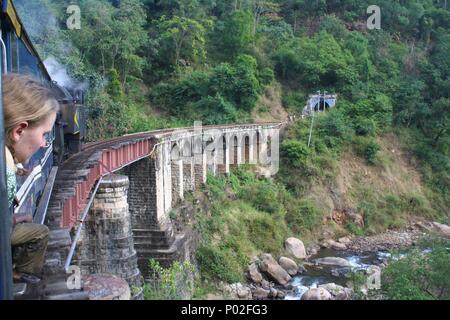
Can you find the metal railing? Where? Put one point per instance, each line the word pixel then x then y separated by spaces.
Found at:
pixel 6 283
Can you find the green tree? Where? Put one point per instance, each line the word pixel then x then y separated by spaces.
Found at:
pixel 182 40
pixel 419 276
pixel 237 34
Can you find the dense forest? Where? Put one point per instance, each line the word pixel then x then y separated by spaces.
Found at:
pixel 149 64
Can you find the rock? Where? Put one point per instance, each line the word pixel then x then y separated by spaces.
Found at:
pixel 333 261
pixel 238 291
pixel 337 292
pixel 260 293
pixel 273 269
pixel 442 229
pixel 265 284
pixel 312 249
pixel 295 248
pixel 254 273
pixel 356 218
pixel 335 273
pixel 345 240
pixel 336 245
pixel 289 265
pixel 317 294
pixel 242 294
pixel 301 269
pixel 281 294
pixel 273 293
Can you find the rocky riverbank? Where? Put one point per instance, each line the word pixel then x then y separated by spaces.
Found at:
pixel 320 271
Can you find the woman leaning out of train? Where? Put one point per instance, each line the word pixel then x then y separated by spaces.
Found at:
pixel 30 112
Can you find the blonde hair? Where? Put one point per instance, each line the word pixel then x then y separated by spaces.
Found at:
pixel 25 99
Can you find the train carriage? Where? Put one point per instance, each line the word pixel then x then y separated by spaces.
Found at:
pixel 20 56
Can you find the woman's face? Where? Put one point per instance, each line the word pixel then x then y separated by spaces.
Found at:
pixel 27 140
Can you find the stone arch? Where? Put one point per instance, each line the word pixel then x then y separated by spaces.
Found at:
pixel 211 153
pixel 186 148
pixel 175 151
pixel 246 150
pixel 258 145
pixel 198 145
pixel 233 150
pixel 222 145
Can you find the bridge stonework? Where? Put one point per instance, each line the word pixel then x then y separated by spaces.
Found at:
pixel 129 222
pixel 107 245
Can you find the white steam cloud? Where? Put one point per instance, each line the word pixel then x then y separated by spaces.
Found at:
pixel 59 74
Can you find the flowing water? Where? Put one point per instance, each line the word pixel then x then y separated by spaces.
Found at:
pixel 316 275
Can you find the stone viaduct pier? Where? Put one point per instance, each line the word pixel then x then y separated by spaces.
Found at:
pixel 109 211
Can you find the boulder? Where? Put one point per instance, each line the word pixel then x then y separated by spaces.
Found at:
pixel 238 291
pixel 317 294
pixel 333 261
pixel 442 229
pixel 289 265
pixel 273 269
pixel 295 248
pixel 254 273
pixel 281 294
pixel 336 245
pixel 345 240
pixel 260 293
pixel 273 293
pixel 337 292
pixel 265 284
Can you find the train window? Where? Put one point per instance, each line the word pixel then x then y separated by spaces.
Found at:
pixel 27 62
pixel 14 53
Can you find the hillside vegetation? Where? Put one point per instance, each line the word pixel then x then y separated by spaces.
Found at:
pixel 381 154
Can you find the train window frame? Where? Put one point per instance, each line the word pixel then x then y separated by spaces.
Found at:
pixel 14 48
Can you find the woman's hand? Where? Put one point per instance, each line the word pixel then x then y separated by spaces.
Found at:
pixel 20 219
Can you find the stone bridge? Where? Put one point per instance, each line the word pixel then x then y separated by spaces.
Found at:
pixel 118 194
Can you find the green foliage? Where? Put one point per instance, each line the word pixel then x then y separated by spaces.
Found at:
pixel 354 229
pixel 295 152
pixel 262 195
pixel 419 275
pixel 237 34
pixel 317 61
pixel 225 94
pixel 173 283
pixel 114 88
pixel 334 129
pixel 367 148
pixel 302 215
pixel 107 118
pixel 182 41
pixel 214 264
pixel 364 126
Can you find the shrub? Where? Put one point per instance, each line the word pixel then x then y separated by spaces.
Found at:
pixel 266 76
pixel 301 215
pixel 367 148
pixel 214 263
pixel 364 126
pixel 295 152
pixel 334 129
pixel 262 196
pixel 173 283
pixel 419 275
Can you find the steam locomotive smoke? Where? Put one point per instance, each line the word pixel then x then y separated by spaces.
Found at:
pixel 41 24
pixel 59 74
